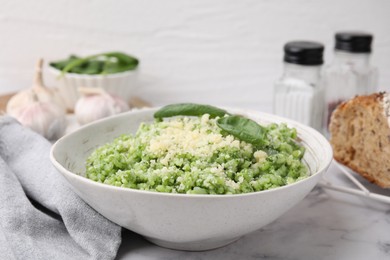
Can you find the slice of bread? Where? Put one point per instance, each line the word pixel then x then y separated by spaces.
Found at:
pixel 360 136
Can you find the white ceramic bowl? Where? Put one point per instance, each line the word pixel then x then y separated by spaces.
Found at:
pixel 180 221
pixel 120 84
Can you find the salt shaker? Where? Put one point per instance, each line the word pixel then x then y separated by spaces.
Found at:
pixel 350 72
pixel 298 94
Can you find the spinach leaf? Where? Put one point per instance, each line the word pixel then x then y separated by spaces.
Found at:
pixel 118 62
pixel 93 67
pixel 189 109
pixel 244 129
pixel 60 65
pixel 105 63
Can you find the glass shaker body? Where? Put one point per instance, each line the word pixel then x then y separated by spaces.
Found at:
pixel 299 94
pixel 350 72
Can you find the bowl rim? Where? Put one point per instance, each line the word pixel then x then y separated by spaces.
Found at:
pixel 63 171
pixel 58 72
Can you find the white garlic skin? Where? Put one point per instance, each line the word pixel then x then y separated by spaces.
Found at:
pixel 45 118
pixel 19 100
pixel 38 90
pixel 39 108
pixel 23 97
pixel 50 95
pixel 93 107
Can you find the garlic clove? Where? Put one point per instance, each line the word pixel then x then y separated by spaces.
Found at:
pixel 91 108
pixel 96 104
pixel 120 105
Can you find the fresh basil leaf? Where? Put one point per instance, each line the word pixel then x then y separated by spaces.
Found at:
pixel 189 109
pixel 243 128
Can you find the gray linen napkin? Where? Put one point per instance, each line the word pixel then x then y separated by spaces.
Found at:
pixel 71 230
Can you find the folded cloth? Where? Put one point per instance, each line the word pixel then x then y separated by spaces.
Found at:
pixel 67 228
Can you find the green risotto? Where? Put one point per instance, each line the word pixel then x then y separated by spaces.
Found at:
pixel 193 155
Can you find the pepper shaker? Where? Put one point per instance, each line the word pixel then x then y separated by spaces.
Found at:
pixel 350 72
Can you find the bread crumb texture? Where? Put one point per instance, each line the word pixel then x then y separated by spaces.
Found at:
pixel 360 136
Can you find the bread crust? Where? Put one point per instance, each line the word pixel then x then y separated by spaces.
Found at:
pixel 360 137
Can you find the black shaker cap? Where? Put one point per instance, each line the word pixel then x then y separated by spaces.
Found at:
pixel 357 42
pixel 304 53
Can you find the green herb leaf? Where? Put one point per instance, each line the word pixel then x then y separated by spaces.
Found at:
pixel 105 63
pixel 93 67
pixel 60 65
pixel 118 62
pixel 243 128
pixel 189 109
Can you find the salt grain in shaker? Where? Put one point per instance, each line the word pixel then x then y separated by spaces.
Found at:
pixel 350 72
pixel 298 94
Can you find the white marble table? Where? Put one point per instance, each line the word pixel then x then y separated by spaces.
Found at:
pixel 325 225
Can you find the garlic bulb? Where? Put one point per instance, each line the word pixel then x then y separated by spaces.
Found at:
pixel 43 117
pixel 39 108
pixel 96 104
pixel 41 91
